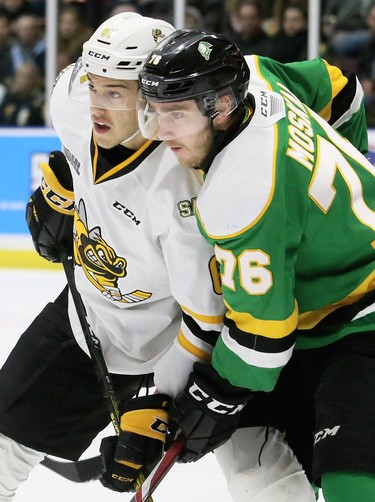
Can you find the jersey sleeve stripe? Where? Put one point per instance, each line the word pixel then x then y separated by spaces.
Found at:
pixel 193 349
pixel 308 320
pixel 259 342
pixel 239 373
pixel 255 357
pixel 208 319
pixel 338 82
pixel 353 98
pixel 207 333
pixel 269 328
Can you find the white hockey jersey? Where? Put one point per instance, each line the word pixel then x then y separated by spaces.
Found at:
pixel 146 276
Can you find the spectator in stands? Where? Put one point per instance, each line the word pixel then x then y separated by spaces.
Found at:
pixel 194 19
pixel 29 43
pixel 124 6
pixel 93 11
pixel 246 27
pixel 6 64
pixel 366 67
pixel 290 44
pixel 159 9
pixel 344 27
pixel 213 13
pixel 23 103
pixel 73 31
pixel 13 9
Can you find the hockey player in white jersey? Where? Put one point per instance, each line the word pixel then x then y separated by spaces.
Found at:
pixel 147 279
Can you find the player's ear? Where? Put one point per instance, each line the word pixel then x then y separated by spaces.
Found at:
pixel 224 107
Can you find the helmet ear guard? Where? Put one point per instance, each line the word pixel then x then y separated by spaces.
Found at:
pixel 219 103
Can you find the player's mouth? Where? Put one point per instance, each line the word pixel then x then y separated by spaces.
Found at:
pixel 174 148
pixel 101 127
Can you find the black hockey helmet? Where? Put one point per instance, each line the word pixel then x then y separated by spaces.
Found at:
pixel 195 65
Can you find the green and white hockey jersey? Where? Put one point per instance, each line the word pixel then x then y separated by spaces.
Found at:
pixel 289 205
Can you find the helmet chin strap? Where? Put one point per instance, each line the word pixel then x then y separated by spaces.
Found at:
pixel 219 137
pixel 130 137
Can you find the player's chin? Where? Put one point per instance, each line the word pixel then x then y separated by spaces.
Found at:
pixel 105 141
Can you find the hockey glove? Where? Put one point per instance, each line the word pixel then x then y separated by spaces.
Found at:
pixel 49 212
pixel 140 445
pixel 207 411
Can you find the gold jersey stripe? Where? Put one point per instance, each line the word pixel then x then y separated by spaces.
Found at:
pixel 269 328
pixel 210 319
pixel 338 82
pixel 308 320
pixel 193 349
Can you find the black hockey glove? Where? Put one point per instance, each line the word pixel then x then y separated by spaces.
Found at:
pixel 207 411
pixel 49 212
pixel 140 445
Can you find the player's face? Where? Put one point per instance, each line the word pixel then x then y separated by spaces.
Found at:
pixel 192 150
pixel 183 128
pixel 113 112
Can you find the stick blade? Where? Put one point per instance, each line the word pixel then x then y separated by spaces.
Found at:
pixel 79 472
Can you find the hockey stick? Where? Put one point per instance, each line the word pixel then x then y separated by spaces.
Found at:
pixel 79 472
pixel 158 473
pixel 89 469
pixel 93 344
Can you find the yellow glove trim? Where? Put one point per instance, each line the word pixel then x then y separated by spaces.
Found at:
pixel 129 464
pixel 56 196
pixel 152 423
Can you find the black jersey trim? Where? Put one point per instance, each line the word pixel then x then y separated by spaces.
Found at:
pixel 258 342
pixel 103 168
pixel 342 102
pixel 206 336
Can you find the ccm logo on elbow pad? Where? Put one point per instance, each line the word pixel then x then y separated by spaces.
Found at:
pixel 213 404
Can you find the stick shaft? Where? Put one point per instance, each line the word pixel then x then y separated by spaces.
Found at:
pixel 159 472
pixel 93 344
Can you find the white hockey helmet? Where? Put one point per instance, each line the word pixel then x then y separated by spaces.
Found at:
pixel 121 45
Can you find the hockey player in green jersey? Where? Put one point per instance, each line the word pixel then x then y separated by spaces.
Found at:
pixel 288 202
pixel 147 278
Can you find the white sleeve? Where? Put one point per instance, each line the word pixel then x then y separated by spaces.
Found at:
pixel 194 282
pixel 171 372
pixel 70 118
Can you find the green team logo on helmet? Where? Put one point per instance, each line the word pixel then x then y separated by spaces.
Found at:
pixel 205 48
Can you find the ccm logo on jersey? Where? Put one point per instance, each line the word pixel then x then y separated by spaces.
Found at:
pixel 213 404
pixel 98 55
pixel 263 103
pixel 126 211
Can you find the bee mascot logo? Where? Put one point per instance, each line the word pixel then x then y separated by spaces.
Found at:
pixel 100 262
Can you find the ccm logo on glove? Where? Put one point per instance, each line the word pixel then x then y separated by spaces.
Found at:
pixel 160 426
pixel 213 404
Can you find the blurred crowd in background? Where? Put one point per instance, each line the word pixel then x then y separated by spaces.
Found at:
pixel 273 28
